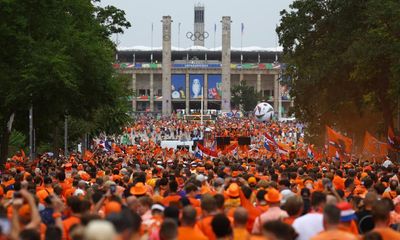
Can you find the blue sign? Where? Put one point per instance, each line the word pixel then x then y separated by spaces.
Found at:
pixel 196 82
pixel 214 90
pixel 178 86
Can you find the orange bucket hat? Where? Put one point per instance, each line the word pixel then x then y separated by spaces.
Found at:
pixel 138 189
pixel 273 196
pixel 233 190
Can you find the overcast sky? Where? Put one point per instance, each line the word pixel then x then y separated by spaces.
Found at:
pixel 260 18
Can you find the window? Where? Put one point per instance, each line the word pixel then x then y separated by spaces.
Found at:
pixel 142 92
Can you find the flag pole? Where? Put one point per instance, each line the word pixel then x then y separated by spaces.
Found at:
pixel 215 33
pixel 241 44
pixel 202 105
pixel 152 30
pixel 179 34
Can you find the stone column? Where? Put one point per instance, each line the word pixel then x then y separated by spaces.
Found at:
pixel 134 93
pixel 258 85
pixel 199 25
pixel 205 93
pixel 151 92
pixel 166 66
pixel 276 94
pixel 187 93
pixel 226 64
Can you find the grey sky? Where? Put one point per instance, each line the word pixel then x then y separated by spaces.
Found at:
pixel 260 18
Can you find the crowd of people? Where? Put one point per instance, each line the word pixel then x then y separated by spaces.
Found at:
pixel 142 191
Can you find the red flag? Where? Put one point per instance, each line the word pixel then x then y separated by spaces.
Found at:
pixel 207 151
pixel 374 147
pixel 339 146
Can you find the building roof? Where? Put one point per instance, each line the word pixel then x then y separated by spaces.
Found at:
pixel 199 49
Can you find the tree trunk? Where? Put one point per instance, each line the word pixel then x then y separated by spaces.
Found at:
pixel 386 106
pixel 6 132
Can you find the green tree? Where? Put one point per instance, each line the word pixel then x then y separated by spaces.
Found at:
pixel 57 57
pixel 244 97
pixel 343 56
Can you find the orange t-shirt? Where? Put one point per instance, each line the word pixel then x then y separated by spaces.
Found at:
pixel 205 226
pixel 68 223
pixel 338 182
pixel 194 202
pixel 240 234
pixel 171 198
pixel 192 233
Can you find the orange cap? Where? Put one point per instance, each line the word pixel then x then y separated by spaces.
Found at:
pixel 138 189
pixel 252 180
pixel 273 196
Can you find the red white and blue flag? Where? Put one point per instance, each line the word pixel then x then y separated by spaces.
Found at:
pixel 393 140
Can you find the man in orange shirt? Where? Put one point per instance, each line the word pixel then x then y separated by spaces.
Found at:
pixel 173 196
pixel 209 210
pixel 74 205
pixel 191 192
pixel 188 230
pixel 240 217
pixel 381 216
pixel 331 221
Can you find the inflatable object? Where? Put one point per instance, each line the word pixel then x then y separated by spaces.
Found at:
pixel 263 112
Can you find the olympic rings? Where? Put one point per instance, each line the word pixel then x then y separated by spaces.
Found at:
pixel 197 36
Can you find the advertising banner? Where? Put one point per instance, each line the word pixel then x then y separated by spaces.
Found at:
pixel 214 90
pixel 196 82
pixel 178 86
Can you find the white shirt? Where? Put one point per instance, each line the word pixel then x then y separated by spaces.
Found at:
pixel 308 225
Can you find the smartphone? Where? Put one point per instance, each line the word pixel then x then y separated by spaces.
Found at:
pixel 113 188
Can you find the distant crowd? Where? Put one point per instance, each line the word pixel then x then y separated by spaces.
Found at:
pixel 138 190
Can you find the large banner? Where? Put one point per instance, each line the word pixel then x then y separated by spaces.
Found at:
pixel 196 82
pixel 178 86
pixel 214 86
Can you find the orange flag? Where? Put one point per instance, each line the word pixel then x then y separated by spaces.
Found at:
pixel 339 146
pixel 88 155
pixel 374 147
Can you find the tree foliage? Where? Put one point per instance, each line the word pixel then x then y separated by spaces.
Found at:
pixel 244 97
pixel 56 57
pixel 343 56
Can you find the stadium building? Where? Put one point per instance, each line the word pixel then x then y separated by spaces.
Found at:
pixel 169 79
